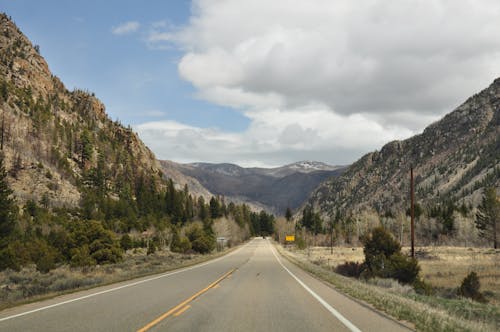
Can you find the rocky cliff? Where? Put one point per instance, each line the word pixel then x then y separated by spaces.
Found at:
pixel 453 158
pixel 55 141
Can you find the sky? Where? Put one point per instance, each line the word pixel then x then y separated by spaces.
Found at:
pixel 267 83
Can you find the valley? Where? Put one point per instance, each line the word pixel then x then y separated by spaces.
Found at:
pixel 85 203
pixel 274 189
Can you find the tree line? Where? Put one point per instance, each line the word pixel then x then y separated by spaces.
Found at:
pixel 440 220
pixel 99 230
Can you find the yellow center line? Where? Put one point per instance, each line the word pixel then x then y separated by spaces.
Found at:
pixel 178 313
pixel 185 302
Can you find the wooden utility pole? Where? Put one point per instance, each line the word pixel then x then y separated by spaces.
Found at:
pixel 331 238
pixel 412 212
pixel 3 130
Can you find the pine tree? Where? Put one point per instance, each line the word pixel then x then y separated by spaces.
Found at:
pixel 288 214
pixel 487 216
pixel 86 147
pixel 214 208
pixel 7 208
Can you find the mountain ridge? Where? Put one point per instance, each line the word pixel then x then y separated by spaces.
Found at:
pixel 53 138
pixel 453 157
pixel 274 189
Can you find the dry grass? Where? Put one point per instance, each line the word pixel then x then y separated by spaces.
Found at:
pixel 427 313
pixel 446 267
pixel 442 267
pixel 30 285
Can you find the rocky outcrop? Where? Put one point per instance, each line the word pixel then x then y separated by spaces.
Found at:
pixel 55 140
pixel 453 158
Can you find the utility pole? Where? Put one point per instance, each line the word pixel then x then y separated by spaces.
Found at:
pixel 412 212
pixel 3 130
pixel 331 238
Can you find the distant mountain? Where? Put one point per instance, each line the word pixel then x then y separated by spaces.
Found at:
pixel 172 171
pixel 274 189
pixel 454 158
pixel 298 167
pixel 57 142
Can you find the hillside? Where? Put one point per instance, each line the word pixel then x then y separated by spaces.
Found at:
pixel 274 189
pixel 56 141
pixel 79 189
pixel 454 159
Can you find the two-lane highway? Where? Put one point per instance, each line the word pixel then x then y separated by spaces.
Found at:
pixel 250 289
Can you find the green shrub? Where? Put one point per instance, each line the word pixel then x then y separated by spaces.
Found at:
pixel 402 268
pixel 180 243
pixel 203 244
pixel 383 258
pixel 423 288
pixel 201 240
pixel 126 242
pixel 300 243
pixel 151 248
pixel 379 242
pixel 350 269
pixel 470 288
pixel 44 256
pixel 81 257
pixel 9 259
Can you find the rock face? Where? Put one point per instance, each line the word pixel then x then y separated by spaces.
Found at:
pixel 273 189
pixel 53 140
pixel 453 158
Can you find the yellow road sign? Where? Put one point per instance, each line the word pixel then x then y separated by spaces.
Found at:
pixel 290 238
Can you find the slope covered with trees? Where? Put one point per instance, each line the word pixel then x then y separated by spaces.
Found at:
pixel 78 188
pixel 454 160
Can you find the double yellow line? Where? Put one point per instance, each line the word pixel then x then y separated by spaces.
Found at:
pixel 183 306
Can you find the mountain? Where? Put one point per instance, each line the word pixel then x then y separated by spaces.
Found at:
pixel 274 189
pixel 298 167
pixel 453 159
pixel 171 170
pixel 57 142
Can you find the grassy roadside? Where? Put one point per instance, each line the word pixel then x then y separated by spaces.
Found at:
pixel 427 313
pixel 29 285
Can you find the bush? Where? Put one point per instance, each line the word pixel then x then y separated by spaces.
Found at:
pixel 151 248
pixel 423 288
pixel 301 244
pixel 383 258
pixel 126 242
pixel 379 243
pixel 403 269
pixel 470 288
pixel 201 240
pixel 9 259
pixel 350 269
pixel 81 257
pixel 180 243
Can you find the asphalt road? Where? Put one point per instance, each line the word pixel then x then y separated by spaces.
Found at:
pixel 250 289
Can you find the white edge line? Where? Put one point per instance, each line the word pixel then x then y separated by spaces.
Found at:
pixel 121 287
pixel 325 304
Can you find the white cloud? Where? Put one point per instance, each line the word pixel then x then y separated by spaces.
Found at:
pixel 362 56
pixel 274 137
pixel 329 79
pixel 126 28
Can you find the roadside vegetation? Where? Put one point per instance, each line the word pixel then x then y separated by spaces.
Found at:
pixel 29 284
pixel 104 229
pixel 426 307
pixel 444 288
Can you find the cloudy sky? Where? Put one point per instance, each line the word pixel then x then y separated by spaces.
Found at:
pixel 269 82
